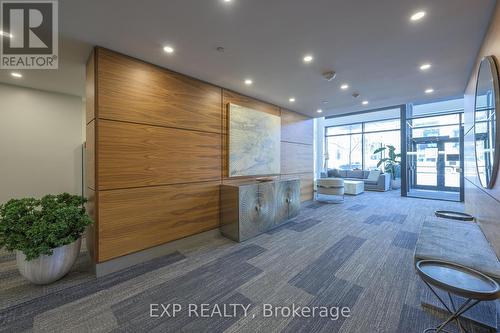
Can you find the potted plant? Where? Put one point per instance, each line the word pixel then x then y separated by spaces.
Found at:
pixel 392 164
pixel 44 233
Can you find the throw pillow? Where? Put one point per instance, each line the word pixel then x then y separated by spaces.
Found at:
pixel 334 173
pixel 373 175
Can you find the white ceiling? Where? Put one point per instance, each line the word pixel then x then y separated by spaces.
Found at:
pixel 371 45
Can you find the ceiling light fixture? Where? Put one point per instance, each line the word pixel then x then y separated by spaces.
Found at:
pixel 425 67
pixel 6 34
pixel 168 49
pixel 319 111
pixel 291 99
pixel 417 16
pixel 429 91
pixel 248 82
pixel 15 74
pixel 308 58
pixel 364 102
pixel 344 86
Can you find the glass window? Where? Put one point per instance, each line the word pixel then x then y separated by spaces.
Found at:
pixel 344 129
pixel 452 131
pixel 384 125
pixel 374 141
pixel 344 152
pixel 451 119
pixel 351 140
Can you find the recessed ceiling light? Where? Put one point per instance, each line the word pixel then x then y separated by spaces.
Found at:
pixel 168 49
pixel 344 86
pixel 248 82
pixel 6 34
pixel 319 110
pixel 417 16
pixel 227 0
pixel 429 91
pixel 364 102
pixel 308 58
pixel 291 99
pixel 425 67
pixel 15 74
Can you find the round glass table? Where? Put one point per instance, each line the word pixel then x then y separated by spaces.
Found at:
pixel 458 280
pixel 447 214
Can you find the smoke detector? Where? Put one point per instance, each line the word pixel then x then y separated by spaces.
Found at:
pixel 355 95
pixel 330 75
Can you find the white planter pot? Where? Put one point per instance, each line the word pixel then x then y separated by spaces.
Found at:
pixel 396 184
pixel 47 269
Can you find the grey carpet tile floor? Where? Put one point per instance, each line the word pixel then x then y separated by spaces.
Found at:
pixel 357 255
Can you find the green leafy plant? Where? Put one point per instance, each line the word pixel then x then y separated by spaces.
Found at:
pixel 392 163
pixel 36 226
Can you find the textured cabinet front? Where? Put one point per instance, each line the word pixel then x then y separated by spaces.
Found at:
pixel 287 200
pixel 251 209
pixel 257 209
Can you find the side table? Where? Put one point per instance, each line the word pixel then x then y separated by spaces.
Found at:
pixel 458 280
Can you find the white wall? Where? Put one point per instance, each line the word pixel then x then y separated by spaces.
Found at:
pixel 40 143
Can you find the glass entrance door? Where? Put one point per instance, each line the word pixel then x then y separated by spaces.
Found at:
pixel 436 165
pixel 434 157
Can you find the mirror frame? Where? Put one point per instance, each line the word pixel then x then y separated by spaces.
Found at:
pixel 496 159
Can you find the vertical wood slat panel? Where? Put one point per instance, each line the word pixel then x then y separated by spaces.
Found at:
pixel 296 158
pixel 90 154
pixel 144 103
pixel 90 89
pixel 296 128
pixel 134 91
pixel 480 202
pixel 134 155
pixel 136 219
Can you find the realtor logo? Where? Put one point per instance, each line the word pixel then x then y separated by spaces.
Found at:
pixel 29 35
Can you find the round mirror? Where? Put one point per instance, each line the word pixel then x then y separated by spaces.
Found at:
pixel 485 122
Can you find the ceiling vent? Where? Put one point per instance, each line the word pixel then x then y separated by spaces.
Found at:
pixel 330 75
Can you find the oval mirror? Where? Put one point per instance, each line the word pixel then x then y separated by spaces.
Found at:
pixel 485 122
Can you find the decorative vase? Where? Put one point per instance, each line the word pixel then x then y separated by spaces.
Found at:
pixel 49 268
pixel 396 184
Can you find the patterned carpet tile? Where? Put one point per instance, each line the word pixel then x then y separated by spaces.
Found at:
pixel 320 273
pixel 356 207
pixel 213 283
pixel 356 255
pixel 405 240
pixel 21 316
pixel 302 225
pixel 337 299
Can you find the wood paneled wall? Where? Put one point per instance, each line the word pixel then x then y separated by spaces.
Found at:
pixel 157 152
pixel 484 204
pixel 297 155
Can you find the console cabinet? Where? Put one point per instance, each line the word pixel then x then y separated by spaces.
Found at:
pixel 253 208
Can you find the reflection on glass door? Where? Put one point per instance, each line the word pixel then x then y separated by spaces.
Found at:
pixel 434 157
pixel 426 165
pixel 452 165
